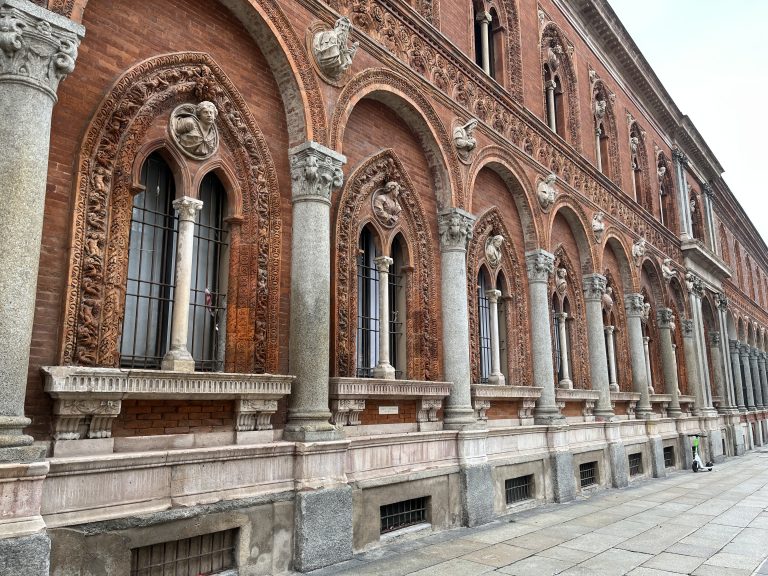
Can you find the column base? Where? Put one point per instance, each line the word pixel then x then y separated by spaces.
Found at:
pixel 617 455
pixel 613 388
pixel 497 379
pixel 323 534
pixel 179 360
pixel 658 468
pixel 311 427
pixel 563 477
pixel 604 415
pixel 477 494
pixel 461 418
pixel 565 384
pixel 645 413
pixel 674 412
pixel 384 371
pixel 548 417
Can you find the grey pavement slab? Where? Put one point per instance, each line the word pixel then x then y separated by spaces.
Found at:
pixel 676 563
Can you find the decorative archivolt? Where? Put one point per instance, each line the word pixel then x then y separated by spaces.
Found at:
pixel 354 210
pixel 143 97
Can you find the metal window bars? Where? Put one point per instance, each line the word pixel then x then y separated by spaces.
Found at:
pixel 402 514
pixel 197 556
pixel 518 489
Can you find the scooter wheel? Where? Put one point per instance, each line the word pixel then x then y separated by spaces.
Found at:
pixel 695 466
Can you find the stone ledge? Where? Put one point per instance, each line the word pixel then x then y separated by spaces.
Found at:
pixel 483 394
pixel 89 399
pixel 348 396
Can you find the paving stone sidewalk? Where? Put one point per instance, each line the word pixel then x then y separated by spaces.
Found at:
pixel 705 524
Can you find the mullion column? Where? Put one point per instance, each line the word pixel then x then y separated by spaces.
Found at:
pixel 485 20
pixel 638 353
pixel 684 208
pixel 455 232
pixel 610 351
pixel 594 288
pixel 540 265
pixel 747 373
pixel 761 361
pixel 495 377
pixel 565 366
pixel 315 172
pixel 665 322
pixel 383 368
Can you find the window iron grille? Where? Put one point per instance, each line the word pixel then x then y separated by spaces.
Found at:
pixel 588 474
pixel 484 328
pixel 197 556
pixel 518 489
pixel 396 321
pixel 669 457
pixel 403 514
pixel 635 464
pixel 367 307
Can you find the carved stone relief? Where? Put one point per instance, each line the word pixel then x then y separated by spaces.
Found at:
pixel 193 129
pixel 464 140
pixel 493 247
pixel 545 191
pixel 332 51
pixel 385 203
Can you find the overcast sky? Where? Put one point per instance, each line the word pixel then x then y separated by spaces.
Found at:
pixel 710 55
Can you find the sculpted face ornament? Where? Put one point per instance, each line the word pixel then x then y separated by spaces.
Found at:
pixel 193 129
pixel 561 282
pixel 598 226
pixel 546 192
pixel 331 50
pixel 638 250
pixel 386 206
pixel 667 271
pixel 493 250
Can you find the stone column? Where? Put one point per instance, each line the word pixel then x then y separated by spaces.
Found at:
pixel 540 265
pixel 691 368
pixel 178 357
pixel 315 172
pixel 455 227
pixel 638 353
pixel 598 152
pixel 755 371
pixel 665 323
pixel 565 382
pixel 708 216
pixel 610 350
pixel 551 117
pixel 594 288
pixel 717 371
pixel 747 372
pixel 683 208
pixel 701 365
pixel 722 323
pixel 648 371
pixel 39 49
pixel 738 386
pixel 761 361
pixel 495 377
pixel 383 368
pixel 485 20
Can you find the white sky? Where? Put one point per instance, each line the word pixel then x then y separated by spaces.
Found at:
pixel 710 56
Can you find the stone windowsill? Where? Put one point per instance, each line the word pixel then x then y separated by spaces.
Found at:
pixel 348 396
pixel 625 396
pixel 564 395
pixel 491 392
pixel 89 399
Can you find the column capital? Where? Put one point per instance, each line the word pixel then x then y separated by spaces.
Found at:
pixel 762 357
pixel 39 47
pixel 694 284
pixel 594 286
pixel 484 17
pixel 561 316
pixel 646 339
pixel 744 350
pixel 708 190
pixel 315 172
pixel 679 156
pixel 753 352
pixel 714 338
pixel 634 304
pixel 383 263
pixel 665 319
pixel 609 329
pixel 493 295
pixel 550 84
pixel 687 326
pixel 734 345
pixel 187 207
pixel 540 265
pixel 455 229
pixel 722 301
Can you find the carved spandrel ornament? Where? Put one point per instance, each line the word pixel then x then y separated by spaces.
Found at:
pixel 464 140
pixel 493 247
pixel 35 51
pixel 192 129
pixel 332 51
pixel 667 271
pixel 638 250
pixel 385 204
pixel 598 226
pixel 545 191
pixel 455 229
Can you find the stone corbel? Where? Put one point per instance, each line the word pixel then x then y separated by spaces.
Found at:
pixel 588 410
pixel 481 408
pixel 526 409
pixel 254 414
pixel 346 412
pixel 73 416
pixel 428 408
pixel 631 408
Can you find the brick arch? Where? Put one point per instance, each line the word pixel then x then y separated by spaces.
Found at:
pixel 103 205
pixel 491 223
pixel 652 275
pixel 503 163
pixel 353 214
pixel 283 50
pixel 615 242
pixel 576 218
pixel 551 36
pixel 407 101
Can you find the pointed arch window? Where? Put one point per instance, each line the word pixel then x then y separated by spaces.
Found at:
pixel 397 307
pixel 553 101
pixel 486 25
pixel 484 324
pixel 367 305
pixel 561 340
pixel 501 286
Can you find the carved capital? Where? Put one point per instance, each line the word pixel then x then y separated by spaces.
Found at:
pixel 722 301
pixel 609 329
pixel 493 295
pixel 634 305
pixel 708 190
pixel 733 346
pixel 187 207
pixel 687 326
pixel 428 408
pixel 455 228
pixel 254 414
pixel 714 339
pixel 665 319
pixel 315 172
pixel 540 265
pixel 679 156
pixel 37 47
pixel 383 263
pixel 694 284
pixel 594 286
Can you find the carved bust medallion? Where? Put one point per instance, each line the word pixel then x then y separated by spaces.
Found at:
pixel 386 205
pixel 193 129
